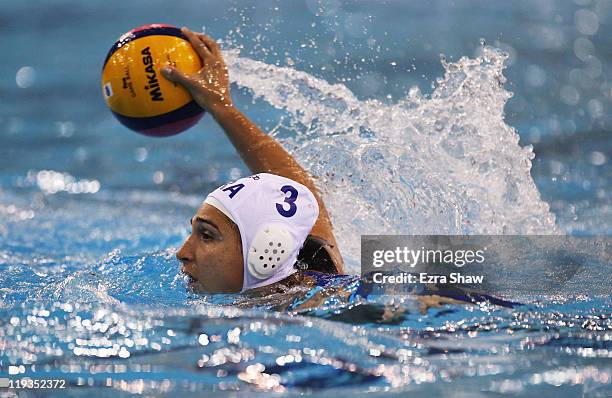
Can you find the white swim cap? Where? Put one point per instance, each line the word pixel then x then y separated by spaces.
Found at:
pixel 274 216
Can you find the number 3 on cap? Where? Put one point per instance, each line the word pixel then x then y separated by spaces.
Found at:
pixel 290 200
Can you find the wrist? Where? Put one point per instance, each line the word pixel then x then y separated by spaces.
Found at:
pixel 222 110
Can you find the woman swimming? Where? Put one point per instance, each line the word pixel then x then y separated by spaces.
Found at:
pixel 268 232
pixel 251 233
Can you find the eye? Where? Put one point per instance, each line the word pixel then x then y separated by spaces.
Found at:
pixel 205 235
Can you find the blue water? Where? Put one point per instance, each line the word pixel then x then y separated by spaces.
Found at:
pixel 91 214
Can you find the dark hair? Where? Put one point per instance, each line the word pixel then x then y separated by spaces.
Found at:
pixel 314 256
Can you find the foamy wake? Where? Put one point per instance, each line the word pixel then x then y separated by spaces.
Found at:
pixel 448 164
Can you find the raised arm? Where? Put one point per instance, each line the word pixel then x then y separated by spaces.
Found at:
pixel 261 153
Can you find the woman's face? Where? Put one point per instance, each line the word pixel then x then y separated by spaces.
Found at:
pixel 212 254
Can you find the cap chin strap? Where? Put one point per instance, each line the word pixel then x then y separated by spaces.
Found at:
pixel 271 246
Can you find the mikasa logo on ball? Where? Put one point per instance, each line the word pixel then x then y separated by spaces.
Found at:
pixel 153 86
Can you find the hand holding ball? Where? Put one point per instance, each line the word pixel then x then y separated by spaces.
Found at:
pixel 134 88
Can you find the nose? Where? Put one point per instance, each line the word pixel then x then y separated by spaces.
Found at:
pixel 184 253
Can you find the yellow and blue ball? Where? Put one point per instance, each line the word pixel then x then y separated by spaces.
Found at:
pixel 136 92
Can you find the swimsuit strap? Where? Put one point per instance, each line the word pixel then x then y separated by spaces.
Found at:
pixel 322 279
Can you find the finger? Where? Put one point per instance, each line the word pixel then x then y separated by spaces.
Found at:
pixel 176 76
pixel 210 43
pixel 198 45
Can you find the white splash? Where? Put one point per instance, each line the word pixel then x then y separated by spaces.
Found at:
pixel 448 164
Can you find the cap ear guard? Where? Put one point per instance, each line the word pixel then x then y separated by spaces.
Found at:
pixel 271 246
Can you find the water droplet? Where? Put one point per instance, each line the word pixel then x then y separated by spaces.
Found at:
pixel 597 158
pixel 141 154
pixel 158 177
pixel 25 77
pixel 587 22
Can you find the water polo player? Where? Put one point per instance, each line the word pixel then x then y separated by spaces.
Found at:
pixel 256 231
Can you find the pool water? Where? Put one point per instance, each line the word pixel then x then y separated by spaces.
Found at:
pixel 506 136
